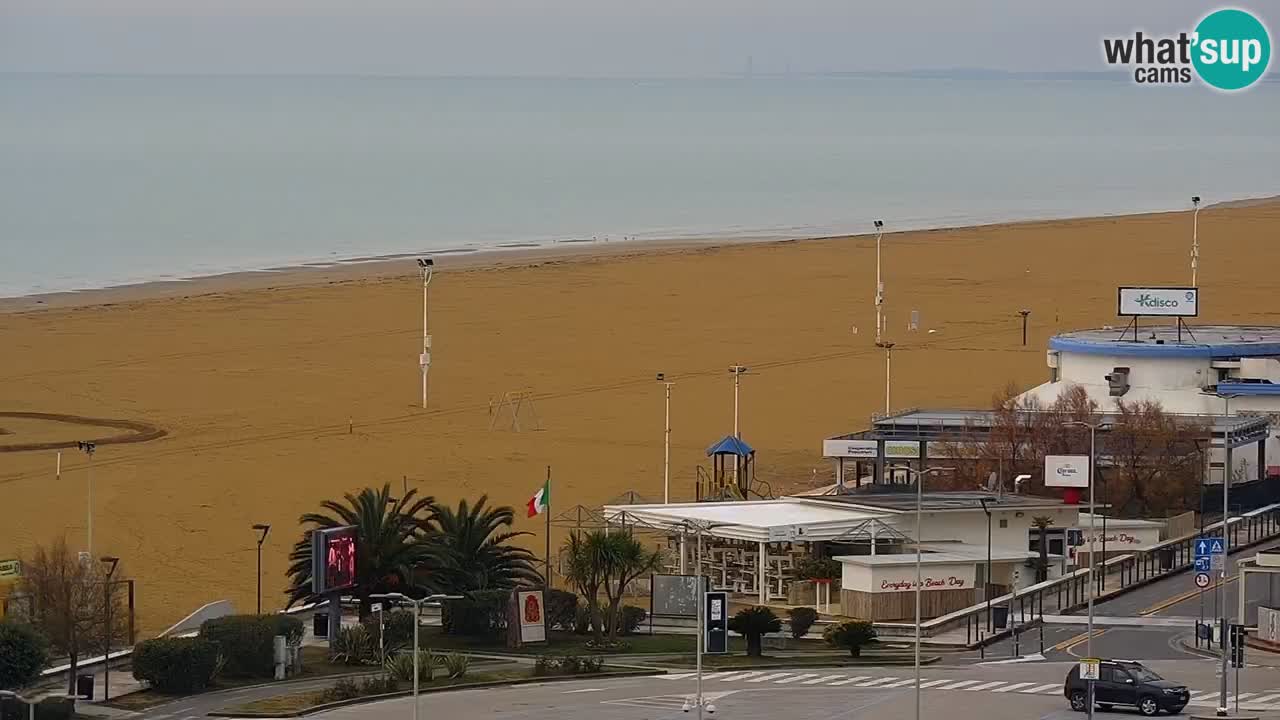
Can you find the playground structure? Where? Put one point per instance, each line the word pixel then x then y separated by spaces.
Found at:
pixel 732 475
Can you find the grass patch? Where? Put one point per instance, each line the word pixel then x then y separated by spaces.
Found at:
pixel 564 643
pixel 297 702
pixel 315 664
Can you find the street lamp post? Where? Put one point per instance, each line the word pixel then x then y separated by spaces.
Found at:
pixel 263 529
pixel 1093 518
pixel 417 605
pixel 89 448
pixel 888 360
pixel 698 529
pixel 737 371
pixel 1195 237
pixel 111 563
pixel 426 266
pixel 1226 551
pixel 879 224
pixel 919 476
pixel 986 586
pixel 666 458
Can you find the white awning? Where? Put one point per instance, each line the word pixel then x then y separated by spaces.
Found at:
pixel 783 520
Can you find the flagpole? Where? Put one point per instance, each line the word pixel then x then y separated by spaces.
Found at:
pixel 548 513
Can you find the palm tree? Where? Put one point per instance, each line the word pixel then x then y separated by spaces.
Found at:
pixel 1041 523
pixel 393 539
pixel 584 567
pixel 480 556
pixel 625 560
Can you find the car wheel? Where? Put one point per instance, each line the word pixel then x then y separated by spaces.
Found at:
pixel 1079 702
pixel 1148 706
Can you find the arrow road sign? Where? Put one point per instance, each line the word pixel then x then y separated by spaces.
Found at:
pixel 1202 580
pixel 1208 546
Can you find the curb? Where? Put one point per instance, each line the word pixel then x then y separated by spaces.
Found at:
pixel 427 691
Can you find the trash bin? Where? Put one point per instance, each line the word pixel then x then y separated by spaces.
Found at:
pixel 1166 559
pixel 1000 617
pixel 320 625
pixel 84 686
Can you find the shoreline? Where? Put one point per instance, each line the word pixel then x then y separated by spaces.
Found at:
pixel 505 255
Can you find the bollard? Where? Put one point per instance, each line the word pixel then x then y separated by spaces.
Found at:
pixel 982 644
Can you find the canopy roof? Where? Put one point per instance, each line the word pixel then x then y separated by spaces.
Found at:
pixel 730 445
pixel 752 520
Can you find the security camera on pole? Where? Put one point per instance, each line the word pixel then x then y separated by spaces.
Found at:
pixel 426 267
pixel 880 341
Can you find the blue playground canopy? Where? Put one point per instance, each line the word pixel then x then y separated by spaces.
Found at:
pixel 730 445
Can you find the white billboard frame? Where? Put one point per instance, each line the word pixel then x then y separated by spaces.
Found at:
pixel 1173 300
pixel 1065 470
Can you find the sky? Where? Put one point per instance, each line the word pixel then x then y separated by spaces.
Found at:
pixel 669 38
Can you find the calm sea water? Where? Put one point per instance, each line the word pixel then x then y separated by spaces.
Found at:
pixel 107 180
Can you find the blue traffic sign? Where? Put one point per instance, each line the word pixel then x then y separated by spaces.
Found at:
pixel 1204 563
pixel 1209 546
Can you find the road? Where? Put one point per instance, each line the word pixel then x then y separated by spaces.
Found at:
pixel 1027 691
pixel 1174 596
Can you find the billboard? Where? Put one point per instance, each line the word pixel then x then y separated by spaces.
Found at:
pixel 333 559
pixel 1066 471
pixel 849 448
pixel 1166 301
pixel 533 618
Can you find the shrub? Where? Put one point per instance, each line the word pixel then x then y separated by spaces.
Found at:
pixel 801 619
pixel 562 609
pixel 176 665
pixel 344 689
pixel 353 646
pixel 396 630
pixel 400 666
pixel 630 619
pixel 852 634
pixel 753 623
pixel 567 665
pixel 50 708
pixel 818 569
pixel 247 641
pixel 456 665
pixel 378 685
pixel 482 613
pixel 23 653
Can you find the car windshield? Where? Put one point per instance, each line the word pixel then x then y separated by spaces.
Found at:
pixel 1141 674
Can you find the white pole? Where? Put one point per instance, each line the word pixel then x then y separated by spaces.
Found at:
pixel 416 619
pixel 425 360
pixel 1226 551
pixel 666 462
pixel 919 512
pixel 761 577
pixel 702 601
pixel 1093 534
pixel 879 284
pixel 736 375
pixel 888 354
pixel 1195 239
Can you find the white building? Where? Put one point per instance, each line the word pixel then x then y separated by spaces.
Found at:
pixel 1211 370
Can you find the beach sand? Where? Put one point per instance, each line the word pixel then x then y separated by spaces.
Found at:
pixel 280 390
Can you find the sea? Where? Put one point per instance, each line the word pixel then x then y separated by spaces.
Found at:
pixel 111 180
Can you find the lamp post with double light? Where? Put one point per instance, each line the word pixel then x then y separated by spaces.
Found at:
pixel 417 604
pixel 1093 533
pixel 919 476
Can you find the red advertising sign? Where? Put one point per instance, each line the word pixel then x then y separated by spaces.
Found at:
pixel 333 559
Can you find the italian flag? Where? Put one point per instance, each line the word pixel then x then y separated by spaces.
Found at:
pixel 541 500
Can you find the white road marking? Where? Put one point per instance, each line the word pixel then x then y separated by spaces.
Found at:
pixel 819 680
pixel 797 677
pixel 583 690
pixel 1042 688
pixel 850 680
pixel 1015 686
pixel 901 683
pixel 1267 698
pixel 985 686
pixel 877 681
pixel 677 676
pixel 958 685
pixel 743 676
pixel 934 683
pixel 765 678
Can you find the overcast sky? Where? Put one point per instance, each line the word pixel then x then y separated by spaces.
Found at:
pixel 571 37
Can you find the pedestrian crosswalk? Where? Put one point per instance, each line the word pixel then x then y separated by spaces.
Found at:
pixel 1266 700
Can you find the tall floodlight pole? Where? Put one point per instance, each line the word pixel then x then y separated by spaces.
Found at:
pixel 879 284
pixel 888 371
pixel 1093 534
pixel 1195 237
pixel 736 371
pixel 262 537
pixel 1226 551
pixel 417 607
pixel 699 528
pixel 919 475
pixel 425 266
pixel 666 458
pixel 89 448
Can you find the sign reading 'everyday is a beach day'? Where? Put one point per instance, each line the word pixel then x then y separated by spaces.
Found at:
pixel 1168 302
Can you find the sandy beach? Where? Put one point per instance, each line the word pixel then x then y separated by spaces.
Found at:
pixel 277 390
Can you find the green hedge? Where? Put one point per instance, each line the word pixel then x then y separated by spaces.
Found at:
pixel 176 665
pixel 481 613
pixel 246 641
pixel 562 609
pixel 23 652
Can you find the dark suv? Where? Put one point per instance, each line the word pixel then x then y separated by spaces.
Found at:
pixel 1126 682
